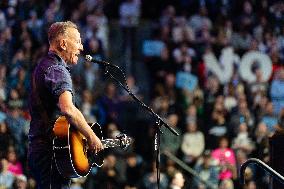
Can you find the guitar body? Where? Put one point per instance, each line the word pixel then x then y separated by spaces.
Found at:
pixel 72 157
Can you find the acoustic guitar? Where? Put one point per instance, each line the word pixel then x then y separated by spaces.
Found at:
pixel 72 156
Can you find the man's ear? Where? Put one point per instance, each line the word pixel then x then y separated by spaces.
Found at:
pixel 63 44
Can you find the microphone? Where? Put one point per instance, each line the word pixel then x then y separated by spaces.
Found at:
pixel 89 58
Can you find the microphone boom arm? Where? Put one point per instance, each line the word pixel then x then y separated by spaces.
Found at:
pixel 159 119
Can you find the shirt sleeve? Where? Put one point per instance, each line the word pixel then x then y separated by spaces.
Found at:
pixel 58 80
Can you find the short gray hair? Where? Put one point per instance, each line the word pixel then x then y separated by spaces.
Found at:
pixel 59 28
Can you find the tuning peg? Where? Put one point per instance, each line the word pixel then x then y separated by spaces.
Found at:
pixel 124 140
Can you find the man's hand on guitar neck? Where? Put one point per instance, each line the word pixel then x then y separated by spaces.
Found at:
pixel 94 143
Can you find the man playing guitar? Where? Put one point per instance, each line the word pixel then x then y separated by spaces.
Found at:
pixel 51 95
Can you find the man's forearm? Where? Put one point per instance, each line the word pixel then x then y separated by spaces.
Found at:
pixel 73 114
pixel 76 118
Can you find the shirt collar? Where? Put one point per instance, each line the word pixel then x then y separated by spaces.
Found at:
pixel 60 60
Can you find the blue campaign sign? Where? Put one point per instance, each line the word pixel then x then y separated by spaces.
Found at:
pixel 186 80
pixel 152 47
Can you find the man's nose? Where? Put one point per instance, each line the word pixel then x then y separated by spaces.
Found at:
pixel 81 48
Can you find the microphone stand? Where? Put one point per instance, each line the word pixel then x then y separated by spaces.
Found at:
pixel 158 122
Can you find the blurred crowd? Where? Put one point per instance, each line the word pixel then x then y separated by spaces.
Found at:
pixel 221 124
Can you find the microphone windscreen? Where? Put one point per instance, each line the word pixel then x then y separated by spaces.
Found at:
pixel 88 58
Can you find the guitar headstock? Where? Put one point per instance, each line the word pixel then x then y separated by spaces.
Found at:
pixel 125 140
